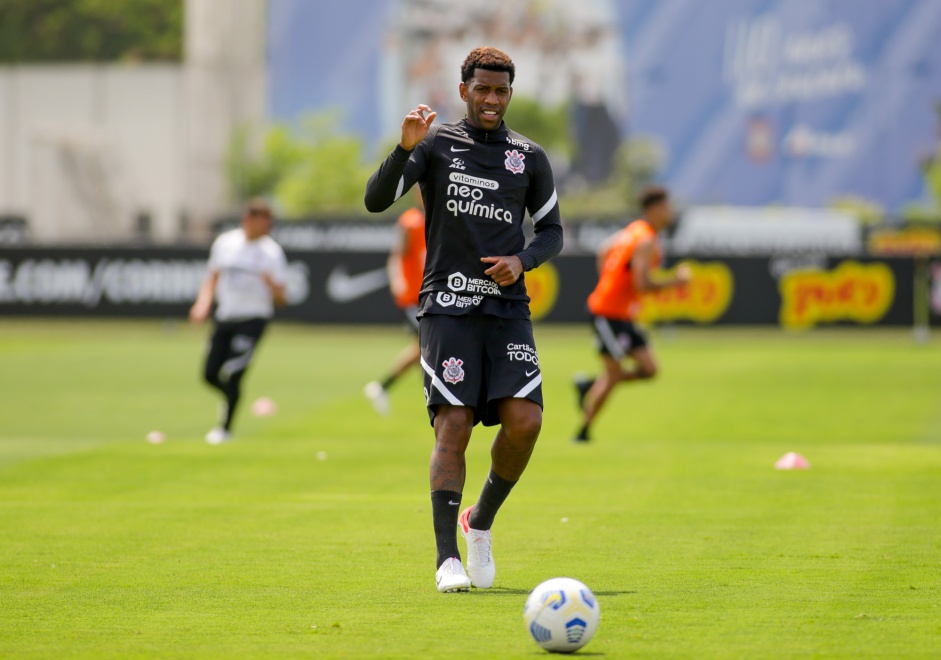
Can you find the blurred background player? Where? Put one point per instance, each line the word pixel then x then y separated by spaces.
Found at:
pixel 247 273
pixel 626 264
pixel 406 267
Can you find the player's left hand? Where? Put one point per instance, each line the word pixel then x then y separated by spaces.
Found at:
pixel 505 270
pixel 684 274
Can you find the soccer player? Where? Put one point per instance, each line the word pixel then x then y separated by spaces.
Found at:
pixel 247 274
pixel 627 262
pixel 477 178
pixel 406 265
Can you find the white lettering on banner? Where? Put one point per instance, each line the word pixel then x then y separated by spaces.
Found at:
pixel 804 142
pixel 117 281
pixel 765 65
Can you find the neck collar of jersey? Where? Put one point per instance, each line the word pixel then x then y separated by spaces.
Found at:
pixel 480 134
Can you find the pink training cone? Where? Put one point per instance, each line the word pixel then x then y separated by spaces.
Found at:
pixel 264 407
pixel 792 461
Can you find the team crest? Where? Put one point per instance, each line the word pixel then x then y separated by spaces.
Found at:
pixel 514 161
pixel 452 370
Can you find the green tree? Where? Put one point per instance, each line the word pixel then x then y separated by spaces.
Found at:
pixel 328 176
pixel 90 30
pixel 256 172
pixel 636 164
pixel 547 127
pixel 311 168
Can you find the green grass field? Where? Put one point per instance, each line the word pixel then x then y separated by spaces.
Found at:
pixel 694 544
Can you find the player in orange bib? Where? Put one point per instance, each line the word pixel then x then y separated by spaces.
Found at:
pixel 626 263
pixel 406 266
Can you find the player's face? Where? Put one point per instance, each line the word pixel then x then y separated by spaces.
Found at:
pixel 662 214
pixel 487 96
pixel 256 224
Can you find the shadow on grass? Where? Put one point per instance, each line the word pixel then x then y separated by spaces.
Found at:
pixel 507 591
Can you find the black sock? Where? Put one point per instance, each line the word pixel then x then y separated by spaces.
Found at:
pixel 387 383
pixel 232 396
pixel 583 386
pixel 494 493
pixel 582 433
pixel 445 509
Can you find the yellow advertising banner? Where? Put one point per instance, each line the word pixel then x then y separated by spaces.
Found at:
pixel 852 291
pixel 704 300
pixel 542 285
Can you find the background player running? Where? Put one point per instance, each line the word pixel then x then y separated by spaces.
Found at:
pixel 246 277
pixel 477 178
pixel 627 262
pixel 406 266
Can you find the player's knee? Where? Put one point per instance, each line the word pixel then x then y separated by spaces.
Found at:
pixel 647 371
pixel 525 426
pixel 453 424
pixel 211 377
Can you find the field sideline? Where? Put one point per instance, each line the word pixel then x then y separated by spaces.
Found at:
pixel 674 515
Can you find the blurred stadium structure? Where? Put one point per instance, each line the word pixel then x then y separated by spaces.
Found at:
pixel 797 137
pixel 111 152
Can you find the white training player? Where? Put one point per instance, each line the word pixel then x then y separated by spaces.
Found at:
pixel 246 278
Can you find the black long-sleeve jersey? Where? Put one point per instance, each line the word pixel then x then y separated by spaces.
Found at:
pixel 476 186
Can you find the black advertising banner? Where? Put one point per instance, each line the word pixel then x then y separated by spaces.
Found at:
pixel 794 292
pixel 352 287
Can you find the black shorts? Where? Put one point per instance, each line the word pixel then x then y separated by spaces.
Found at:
pixel 233 345
pixel 475 361
pixel 617 338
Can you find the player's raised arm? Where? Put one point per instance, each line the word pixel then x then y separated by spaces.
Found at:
pixel 404 165
pixel 415 126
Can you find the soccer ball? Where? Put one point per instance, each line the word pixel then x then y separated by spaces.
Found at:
pixel 561 615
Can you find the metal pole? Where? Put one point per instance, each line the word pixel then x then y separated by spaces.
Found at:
pixel 920 305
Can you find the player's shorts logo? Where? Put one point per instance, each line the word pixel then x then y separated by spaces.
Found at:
pixel 514 161
pixel 457 282
pixel 446 298
pixel 242 343
pixel 452 370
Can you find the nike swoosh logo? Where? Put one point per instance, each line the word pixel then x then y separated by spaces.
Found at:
pixel 343 287
pixel 454 503
pixel 530 373
pixel 456 150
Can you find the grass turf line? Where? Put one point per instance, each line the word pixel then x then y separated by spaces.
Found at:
pixel 694 545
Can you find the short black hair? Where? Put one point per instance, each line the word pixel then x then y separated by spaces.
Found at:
pixel 489 58
pixel 258 206
pixel 652 195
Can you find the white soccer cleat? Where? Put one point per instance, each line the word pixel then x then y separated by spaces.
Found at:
pixel 218 435
pixel 451 577
pixel 480 564
pixel 378 396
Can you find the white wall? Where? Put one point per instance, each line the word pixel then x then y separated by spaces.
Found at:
pixel 85 148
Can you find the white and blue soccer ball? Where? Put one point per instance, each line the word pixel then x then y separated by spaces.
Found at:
pixel 561 615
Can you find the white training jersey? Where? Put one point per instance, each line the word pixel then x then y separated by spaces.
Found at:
pixel 241 293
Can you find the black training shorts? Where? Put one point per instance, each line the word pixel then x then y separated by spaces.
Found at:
pixel 474 361
pixel 617 338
